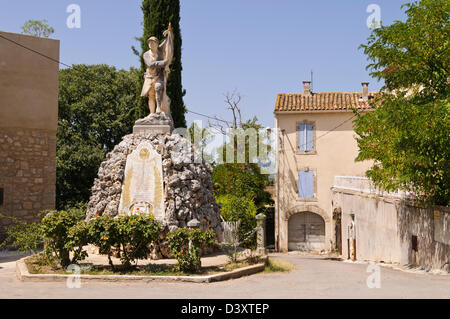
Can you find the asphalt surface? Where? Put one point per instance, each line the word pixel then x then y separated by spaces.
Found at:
pixel 313 277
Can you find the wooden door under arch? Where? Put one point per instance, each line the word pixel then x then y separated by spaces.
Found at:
pixel 306 231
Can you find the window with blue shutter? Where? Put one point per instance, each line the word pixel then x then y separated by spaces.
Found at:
pixel 306 184
pixel 301 137
pixel 305 137
pixel 309 137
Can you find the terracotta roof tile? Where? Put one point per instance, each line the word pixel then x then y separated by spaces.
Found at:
pixel 328 101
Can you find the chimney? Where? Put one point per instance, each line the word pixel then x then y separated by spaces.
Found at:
pixel 365 91
pixel 307 88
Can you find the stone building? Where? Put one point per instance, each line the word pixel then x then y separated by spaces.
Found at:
pixel 317 143
pixel 28 123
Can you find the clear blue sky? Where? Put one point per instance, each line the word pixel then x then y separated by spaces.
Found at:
pixel 259 47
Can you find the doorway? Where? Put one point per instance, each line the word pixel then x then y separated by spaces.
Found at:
pixel 306 231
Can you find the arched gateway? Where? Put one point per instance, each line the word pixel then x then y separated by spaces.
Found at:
pixel 306 229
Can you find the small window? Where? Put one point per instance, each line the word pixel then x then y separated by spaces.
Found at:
pixel 306 137
pixel 306 184
pixel 1 196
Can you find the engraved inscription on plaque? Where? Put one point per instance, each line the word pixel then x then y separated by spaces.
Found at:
pixel 142 190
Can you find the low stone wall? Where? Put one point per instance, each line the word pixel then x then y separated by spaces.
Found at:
pixel 27 172
pixel 388 227
pixel 431 228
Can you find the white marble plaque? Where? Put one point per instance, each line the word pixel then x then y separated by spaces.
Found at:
pixel 142 189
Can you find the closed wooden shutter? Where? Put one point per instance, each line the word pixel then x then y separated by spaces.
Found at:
pixel 302 137
pixel 306 184
pixel 309 137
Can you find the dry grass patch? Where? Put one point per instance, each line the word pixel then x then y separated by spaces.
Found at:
pixel 278 265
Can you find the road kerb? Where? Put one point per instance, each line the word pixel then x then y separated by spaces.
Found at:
pixel 24 275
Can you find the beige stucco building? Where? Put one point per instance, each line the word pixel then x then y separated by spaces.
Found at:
pixel 28 123
pixel 317 143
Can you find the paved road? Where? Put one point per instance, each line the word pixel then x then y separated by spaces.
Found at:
pixel 313 277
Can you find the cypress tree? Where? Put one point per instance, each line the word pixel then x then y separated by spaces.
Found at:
pixel 157 15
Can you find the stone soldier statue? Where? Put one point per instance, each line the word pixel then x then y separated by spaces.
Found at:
pixel 158 60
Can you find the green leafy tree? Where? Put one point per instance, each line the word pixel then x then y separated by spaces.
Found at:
pixel 37 28
pixel 95 112
pixel 157 15
pixel 238 208
pixel 240 179
pixel 243 178
pixel 407 135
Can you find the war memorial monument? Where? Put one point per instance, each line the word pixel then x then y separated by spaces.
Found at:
pixel 155 170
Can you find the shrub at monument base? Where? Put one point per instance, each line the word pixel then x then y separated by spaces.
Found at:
pixel 186 244
pixel 64 232
pixel 77 237
pixel 130 236
pixel 55 227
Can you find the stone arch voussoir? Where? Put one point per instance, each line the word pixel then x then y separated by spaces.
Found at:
pixel 307 208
